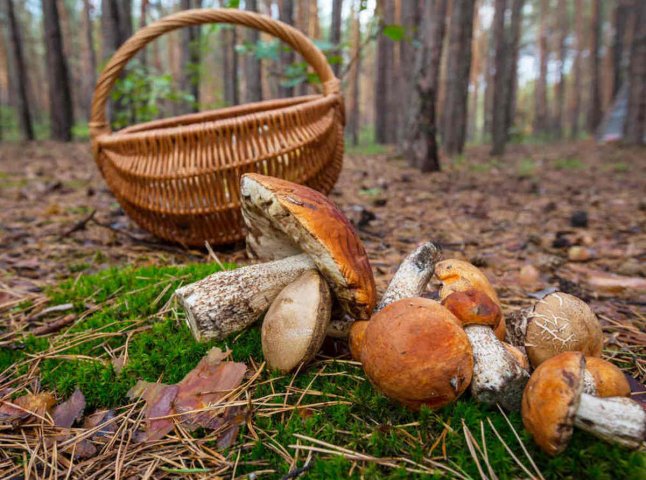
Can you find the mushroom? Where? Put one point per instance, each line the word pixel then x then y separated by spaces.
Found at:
pixel 294 327
pixel 458 276
pixel 557 323
pixel 518 355
pixel 498 377
pixel 554 402
pixel 603 379
pixel 416 352
pixel 410 280
pixel 297 229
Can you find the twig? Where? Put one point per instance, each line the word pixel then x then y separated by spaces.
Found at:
pixel 297 472
pixel 80 225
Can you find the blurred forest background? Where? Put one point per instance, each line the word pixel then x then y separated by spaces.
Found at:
pixel 419 74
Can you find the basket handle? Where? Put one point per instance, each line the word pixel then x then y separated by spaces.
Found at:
pixel 290 35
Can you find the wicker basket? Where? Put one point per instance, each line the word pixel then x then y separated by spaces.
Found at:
pixel 179 178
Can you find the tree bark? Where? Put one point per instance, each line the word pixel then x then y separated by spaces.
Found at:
pixel 621 20
pixel 420 146
pixel 252 65
pixel 60 98
pixel 594 115
pixel 354 97
pixel 20 75
pixel 230 66
pixel 286 14
pixel 143 12
pixel 385 114
pixel 457 76
pixel 190 60
pixel 540 105
pixel 500 86
pixel 635 126
pixel 515 33
pixel 89 52
pixel 335 35
pixel 577 70
pixel 562 26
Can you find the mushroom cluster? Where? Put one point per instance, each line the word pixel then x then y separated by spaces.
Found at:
pixel 312 258
pixel 315 280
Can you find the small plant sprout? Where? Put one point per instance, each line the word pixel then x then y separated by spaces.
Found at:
pixel 554 402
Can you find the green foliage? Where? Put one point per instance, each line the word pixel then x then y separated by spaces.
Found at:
pixel 358 418
pixel 139 93
pixel 527 167
pixel 569 163
pixel 394 32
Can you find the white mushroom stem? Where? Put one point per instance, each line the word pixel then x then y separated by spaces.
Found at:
pixel 412 276
pixel 497 376
pixel 615 419
pixel 410 280
pixel 228 302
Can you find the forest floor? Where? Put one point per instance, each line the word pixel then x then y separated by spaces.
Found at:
pixel 571 216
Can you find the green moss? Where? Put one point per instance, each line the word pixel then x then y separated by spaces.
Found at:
pixel 359 418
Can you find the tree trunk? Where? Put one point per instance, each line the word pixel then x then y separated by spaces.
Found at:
pixel 286 14
pixel 594 116
pixel 500 86
pixel 354 97
pixel 335 35
pixel 90 53
pixel 563 26
pixel 143 11
pixel 578 70
pixel 515 32
pixel 385 115
pixel 488 78
pixel 635 127
pixel 190 60
pixel 60 98
pixel 252 64
pixel 540 106
pixel 404 82
pixel 230 65
pixel 20 75
pixel 457 76
pixel 420 146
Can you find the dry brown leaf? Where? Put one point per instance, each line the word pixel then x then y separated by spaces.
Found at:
pixel 26 407
pixel 71 410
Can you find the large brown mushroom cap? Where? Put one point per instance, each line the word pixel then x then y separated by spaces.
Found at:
pixel 285 219
pixel 357 337
pixel 416 352
pixel 560 323
pixel 609 380
pixel 551 399
pixel 461 276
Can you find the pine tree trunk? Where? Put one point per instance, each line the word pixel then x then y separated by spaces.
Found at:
pixel 488 77
pixel 20 75
pixel 230 65
pixel 252 65
pixel 190 60
pixel 335 35
pixel 457 76
pixel 541 106
pixel 354 97
pixel 60 98
pixel 410 21
pixel 635 126
pixel 577 70
pixel 594 116
pixel 420 146
pixel 621 20
pixel 385 46
pixel 143 12
pixel 286 14
pixel 515 32
pixel 90 53
pixel 500 86
pixel 563 26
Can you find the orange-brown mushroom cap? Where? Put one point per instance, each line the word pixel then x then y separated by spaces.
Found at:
pixel 416 352
pixel 288 218
pixel 609 380
pixel 473 307
pixel 357 337
pixel 551 399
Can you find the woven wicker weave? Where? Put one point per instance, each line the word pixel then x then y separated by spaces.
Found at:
pixel 179 177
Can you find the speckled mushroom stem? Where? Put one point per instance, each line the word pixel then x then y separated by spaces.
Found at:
pixel 412 276
pixel 617 420
pixel 497 376
pixel 228 302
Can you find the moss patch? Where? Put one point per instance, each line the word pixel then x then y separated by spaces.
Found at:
pixel 126 305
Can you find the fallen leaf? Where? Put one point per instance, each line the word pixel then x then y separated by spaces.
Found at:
pixel 159 405
pixel 609 282
pixel 25 407
pixel 71 410
pixel 100 417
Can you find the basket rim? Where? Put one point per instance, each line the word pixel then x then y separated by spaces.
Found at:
pixel 169 127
